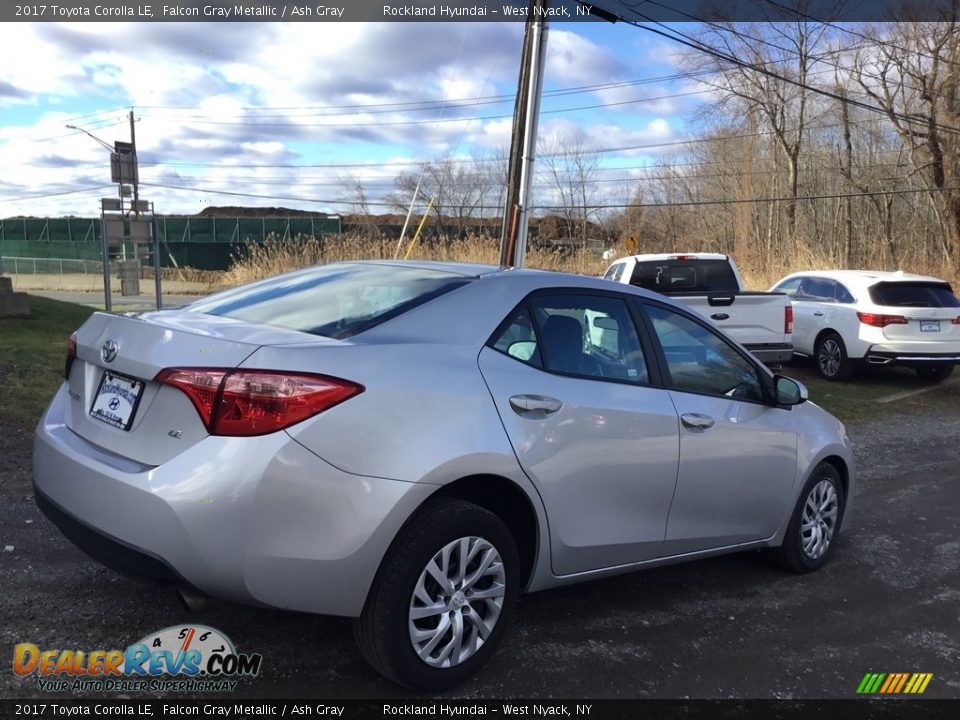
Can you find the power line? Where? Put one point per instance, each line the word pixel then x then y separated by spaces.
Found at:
pixel 743 201
pixel 433 121
pixel 841 28
pixel 285 198
pixel 695 44
pixel 89 188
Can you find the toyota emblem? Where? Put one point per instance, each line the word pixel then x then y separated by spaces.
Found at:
pixel 109 351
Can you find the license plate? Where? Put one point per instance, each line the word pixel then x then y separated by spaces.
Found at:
pixel 117 399
pixel 929 326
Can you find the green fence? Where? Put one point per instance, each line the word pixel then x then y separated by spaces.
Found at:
pixel 199 242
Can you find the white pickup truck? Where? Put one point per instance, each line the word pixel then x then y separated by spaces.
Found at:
pixel 710 283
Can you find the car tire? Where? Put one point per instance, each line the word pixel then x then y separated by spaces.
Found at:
pixel 815 523
pixel 397 615
pixel 936 372
pixel 830 356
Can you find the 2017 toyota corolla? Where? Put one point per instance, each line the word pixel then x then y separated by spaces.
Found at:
pixel 414 444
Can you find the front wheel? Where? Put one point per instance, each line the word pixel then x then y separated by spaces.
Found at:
pixel 815 523
pixel 831 357
pixel 442 598
pixel 935 372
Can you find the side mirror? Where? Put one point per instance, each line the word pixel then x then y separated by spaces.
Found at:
pixel 789 391
pixel 522 350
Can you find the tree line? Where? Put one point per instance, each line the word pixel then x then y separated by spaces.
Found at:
pixel 823 144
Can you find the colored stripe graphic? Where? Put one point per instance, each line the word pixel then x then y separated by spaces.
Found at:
pixel 894 683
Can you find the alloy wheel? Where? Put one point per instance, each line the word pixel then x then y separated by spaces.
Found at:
pixel 830 357
pixel 456 602
pixel 819 519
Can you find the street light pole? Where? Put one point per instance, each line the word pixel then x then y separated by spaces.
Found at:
pixel 91 135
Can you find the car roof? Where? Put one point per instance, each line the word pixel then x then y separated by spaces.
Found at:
pixel 864 278
pixel 455 268
pixel 663 257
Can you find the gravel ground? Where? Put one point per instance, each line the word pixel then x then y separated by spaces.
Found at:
pixel 728 627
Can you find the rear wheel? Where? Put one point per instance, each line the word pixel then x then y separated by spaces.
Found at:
pixel 830 355
pixel 442 598
pixel 815 523
pixel 935 372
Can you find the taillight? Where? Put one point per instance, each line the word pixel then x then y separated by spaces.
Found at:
pixel 71 356
pixel 683 257
pixel 788 319
pixel 881 320
pixel 256 402
pixel 955 321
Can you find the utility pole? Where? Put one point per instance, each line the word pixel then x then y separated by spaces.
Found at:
pixel 136 168
pixel 526 114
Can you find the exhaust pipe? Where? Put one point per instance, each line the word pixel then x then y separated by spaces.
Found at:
pixel 876 360
pixel 192 600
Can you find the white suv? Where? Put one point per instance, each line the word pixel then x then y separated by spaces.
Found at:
pixel 882 318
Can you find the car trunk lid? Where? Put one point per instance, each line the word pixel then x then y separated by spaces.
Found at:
pixel 118 406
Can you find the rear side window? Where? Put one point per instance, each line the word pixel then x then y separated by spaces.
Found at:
pixel 913 294
pixel 335 301
pixel 685 276
pixel 583 335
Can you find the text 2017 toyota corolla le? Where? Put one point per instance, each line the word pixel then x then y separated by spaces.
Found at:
pixel 414 444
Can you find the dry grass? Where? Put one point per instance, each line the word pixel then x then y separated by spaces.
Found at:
pixel 260 260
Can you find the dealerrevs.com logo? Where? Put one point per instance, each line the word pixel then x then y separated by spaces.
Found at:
pixel 192 658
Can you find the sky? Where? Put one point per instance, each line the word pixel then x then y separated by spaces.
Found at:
pixel 288 114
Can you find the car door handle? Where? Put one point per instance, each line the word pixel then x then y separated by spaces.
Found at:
pixel 534 405
pixel 696 421
pixel 818 314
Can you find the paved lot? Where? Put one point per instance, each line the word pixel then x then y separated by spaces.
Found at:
pixel 129 303
pixel 728 627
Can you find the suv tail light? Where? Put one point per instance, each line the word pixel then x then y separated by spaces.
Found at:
pixel 71 356
pixel 256 402
pixel 788 319
pixel 881 320
pixel 955 321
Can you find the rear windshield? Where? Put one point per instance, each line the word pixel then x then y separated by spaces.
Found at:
pixel 335 301
pixel 913 294
pixel 685 276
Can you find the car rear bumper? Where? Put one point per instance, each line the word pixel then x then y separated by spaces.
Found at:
pixel 885 355
pixel 254 520
pixel 772 353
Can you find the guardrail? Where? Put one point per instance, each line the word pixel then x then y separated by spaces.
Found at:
pixel 50 266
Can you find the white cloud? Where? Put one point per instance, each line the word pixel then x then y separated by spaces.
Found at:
pixel 213 101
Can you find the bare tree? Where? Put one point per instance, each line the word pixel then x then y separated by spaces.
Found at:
pixel 569 170
pixel 769 82
pixel 912 71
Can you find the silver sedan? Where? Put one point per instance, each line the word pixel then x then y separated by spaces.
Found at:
pixel 415 444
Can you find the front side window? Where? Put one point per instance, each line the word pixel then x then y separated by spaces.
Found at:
pixel 700 361
pixel 789 287
pixel 614 272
